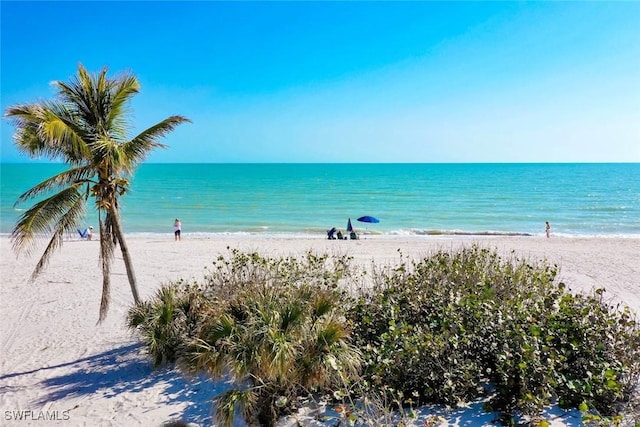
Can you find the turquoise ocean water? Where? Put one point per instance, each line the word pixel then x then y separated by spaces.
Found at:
pixel 409 199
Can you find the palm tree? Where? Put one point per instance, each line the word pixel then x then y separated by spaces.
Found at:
pixel 85 127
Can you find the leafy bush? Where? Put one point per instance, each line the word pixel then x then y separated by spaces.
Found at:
pixel 453 327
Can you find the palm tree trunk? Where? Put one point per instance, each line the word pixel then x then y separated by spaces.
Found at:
pixel 125 255
pixel 106 255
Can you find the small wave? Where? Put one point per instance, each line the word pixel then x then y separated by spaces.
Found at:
pixel 469 233
pixel 264 232
pixel 607 208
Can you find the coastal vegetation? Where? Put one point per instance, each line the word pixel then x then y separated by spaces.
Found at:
pixel 276 327
pixel 451 328
pixel 85 127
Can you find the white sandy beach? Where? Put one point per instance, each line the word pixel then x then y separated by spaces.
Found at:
pixel 58 363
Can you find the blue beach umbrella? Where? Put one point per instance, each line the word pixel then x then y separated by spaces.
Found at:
pixel 368 218
pixel 349 226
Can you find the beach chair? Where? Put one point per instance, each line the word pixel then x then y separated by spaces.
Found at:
pixel 86 233
pixel 353 235
pixel 331 234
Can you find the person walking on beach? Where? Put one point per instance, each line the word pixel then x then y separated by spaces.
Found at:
pixel 177 229
pixel 547 229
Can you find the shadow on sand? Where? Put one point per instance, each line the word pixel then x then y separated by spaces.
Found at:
pixel 126 369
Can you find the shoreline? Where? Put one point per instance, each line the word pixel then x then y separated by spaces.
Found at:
pixel 584 262
pixel 366 234
pixel 56 358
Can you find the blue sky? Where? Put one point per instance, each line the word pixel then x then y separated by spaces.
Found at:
pixel 349 81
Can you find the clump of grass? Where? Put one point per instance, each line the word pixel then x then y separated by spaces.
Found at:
pixel 168 320
pixel 275 327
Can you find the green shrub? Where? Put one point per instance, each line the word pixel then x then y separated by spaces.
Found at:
pixel 167 321
pixel 275 327
pixel 457 326
pixel 598 352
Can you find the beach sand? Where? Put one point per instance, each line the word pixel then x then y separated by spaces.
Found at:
pixel 57 363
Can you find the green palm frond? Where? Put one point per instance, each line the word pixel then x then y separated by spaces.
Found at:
pixel 106 147
pixel 200 355
pixel 83 93
pixel 231 401
pixel 27 142
pixel 291 315
pixel 140 146
pixel 223 327
pixel 138 315
pixel 323 303
pixel 54 243
pixel 26 139
pixel 59 212
pixel 47 129
pixel 69 177
pixel 60 128
pixel 58 215
pixel 165 309
pixel 283 354
pixel 330 333
pixel 125 88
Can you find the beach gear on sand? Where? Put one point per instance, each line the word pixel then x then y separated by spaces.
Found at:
pixel 86 233
pixel 349 226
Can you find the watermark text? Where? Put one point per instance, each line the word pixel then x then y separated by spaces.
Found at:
pixel 28 415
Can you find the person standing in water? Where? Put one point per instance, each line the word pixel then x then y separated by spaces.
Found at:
pixel 547 229
pixel 177 229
